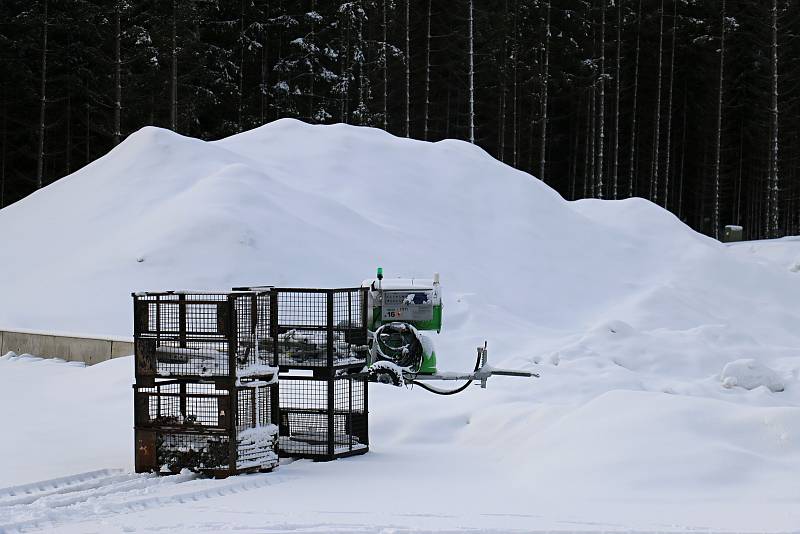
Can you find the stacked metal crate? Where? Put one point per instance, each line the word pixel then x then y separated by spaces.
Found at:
pixel 318 338
pixel 206 393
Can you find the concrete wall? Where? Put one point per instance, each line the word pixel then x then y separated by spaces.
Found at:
pixel 73 349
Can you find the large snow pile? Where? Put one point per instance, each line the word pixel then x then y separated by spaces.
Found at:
pixel 629 316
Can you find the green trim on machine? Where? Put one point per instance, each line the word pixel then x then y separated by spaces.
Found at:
pixel 428 366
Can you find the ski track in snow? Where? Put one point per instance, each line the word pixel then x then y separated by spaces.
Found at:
pixel 89 499
pixel 97 494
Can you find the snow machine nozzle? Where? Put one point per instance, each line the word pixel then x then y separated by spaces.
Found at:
pixel 398 312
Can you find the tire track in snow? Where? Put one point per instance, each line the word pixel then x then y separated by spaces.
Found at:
pixel 127 494
pixel 52 495
pixel 114 485
pixel 36 488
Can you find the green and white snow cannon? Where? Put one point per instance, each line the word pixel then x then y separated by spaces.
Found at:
pixel 399 311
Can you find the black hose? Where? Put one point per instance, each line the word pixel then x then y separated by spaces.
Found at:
pixel 441 391
pixel 448 391
pixel 398 343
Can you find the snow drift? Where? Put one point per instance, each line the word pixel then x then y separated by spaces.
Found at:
pixel 629 316
pixel 295 204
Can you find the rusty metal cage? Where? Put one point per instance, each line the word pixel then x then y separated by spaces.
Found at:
pixel 207 395
pixel 323 419
pixel 201 335
pixel 204 426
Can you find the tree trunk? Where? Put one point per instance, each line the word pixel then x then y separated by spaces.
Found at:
pixel 501 128
pixel 657 120
pixel 343 60
pixel 586 175
pixel 311 113
pixel 408 68
pixel 737 218
pixel 593 93
pixel 716 214
pixel 68 127
pixel 602 114
pixel 632 166
pixel 362 84
pixel 117 74
pixel 240 103
pixel 173 108
pixel 574 159
pixel 774 145
pixel 426 133
pixel 447 112
pixel 3 150
pixel 265 68
pixel 386 69
pixel 42 102
pixel 88 126
pixel 471 76
pixel 683 156
pixel 545 84
pixel 615 171
pixel 534 132
pixel 593 146
pixel 667 151
pixel 515 93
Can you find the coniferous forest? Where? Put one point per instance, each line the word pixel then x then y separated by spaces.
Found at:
pixel 692 104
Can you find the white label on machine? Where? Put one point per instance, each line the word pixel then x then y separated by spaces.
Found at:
pixel 407 305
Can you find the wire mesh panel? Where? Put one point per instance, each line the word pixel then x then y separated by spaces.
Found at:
pixel 201 335
pixel 319 328
pixel 183 404
pixel 323 419
pixel 205 426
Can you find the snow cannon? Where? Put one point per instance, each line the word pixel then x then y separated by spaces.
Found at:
pixel 399 312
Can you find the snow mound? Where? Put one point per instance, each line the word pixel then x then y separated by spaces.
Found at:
pixel 295 204
pixel 750 374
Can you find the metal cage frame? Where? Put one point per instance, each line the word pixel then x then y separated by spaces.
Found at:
pixel 323 418
pixel 214 427
pixel 321 330
pixel 200 335
pixel 199 354
pixel 246 333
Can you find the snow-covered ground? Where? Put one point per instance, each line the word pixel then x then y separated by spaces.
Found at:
pixel 669 396
pixel 783 253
